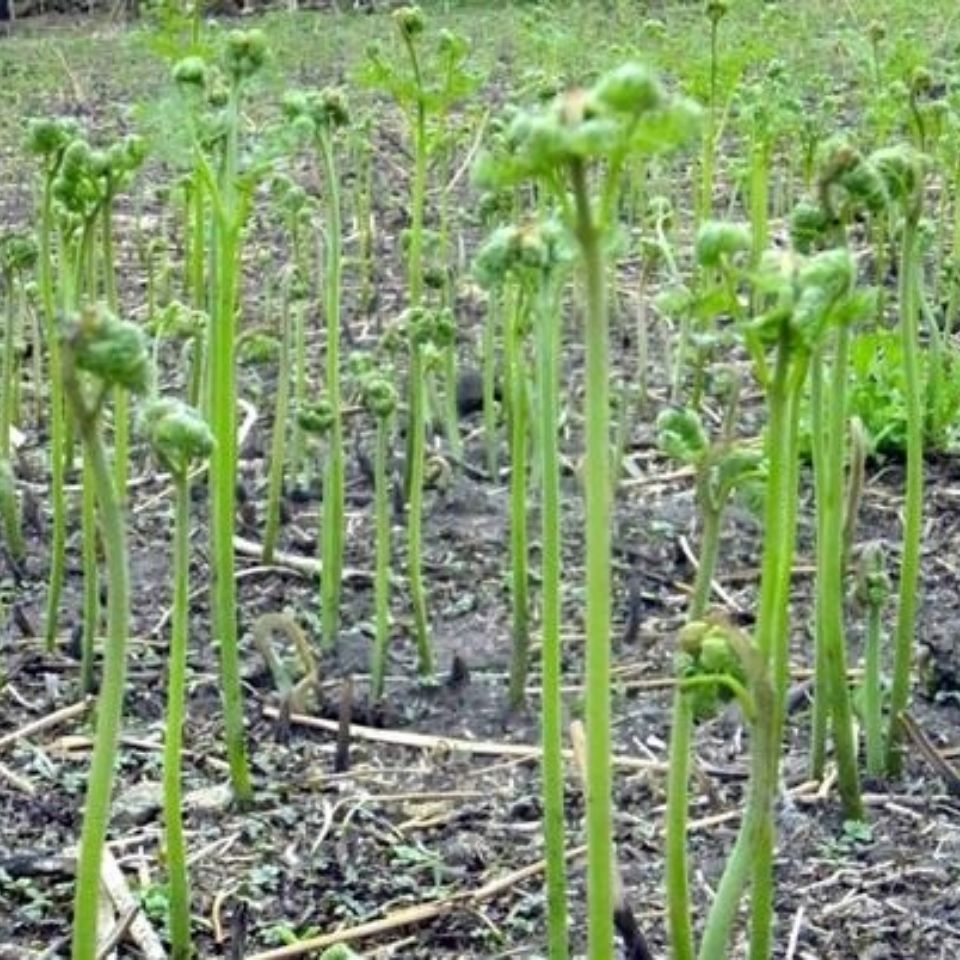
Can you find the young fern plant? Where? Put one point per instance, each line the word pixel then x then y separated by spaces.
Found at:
pixel 380 400
pixel 99 353
pixel 872 592
pixel 319 116
pixel 720 468
pixel 18 256
pixel 244 55
pixel 902 170
pixel 624 113
pixel 48 141
pixel 180 439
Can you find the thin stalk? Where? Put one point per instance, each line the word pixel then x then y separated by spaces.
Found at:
pixel 91 586
pixel 872 696
pixel 381 488
pixel 121 400
pixel 548 342
pixel 709 549
pixel 9 366
pixel 415 516
pixel 57 432
pixel 333 492
pixel 110 703
pixel 223 461
pixel 278 441
pixel 913 509
pixel 518 506
pixel 678 888
pixel 831 584
pixel 173 741
pixel 597 495
pixel 820 714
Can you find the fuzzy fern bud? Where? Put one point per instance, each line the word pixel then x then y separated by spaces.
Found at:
pixel 178 434
pixel 113 350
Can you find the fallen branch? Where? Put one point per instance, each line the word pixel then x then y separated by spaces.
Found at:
pixel 44 723
pixel 410 916
pixel 423 741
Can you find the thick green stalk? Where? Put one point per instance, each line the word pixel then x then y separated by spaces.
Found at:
pixel 223 472
pixel 548 342
pixel 57 432
pixel 173 742
pixel 91 586
pixel 678 888
pixel 754 841
pixel 518 507
pixel 110 703
pixel 763 885
pixel 709 549
pixel 597 495
pixel 121 399
pixel 913 509
pixel 333 488
pixel 831 584
pixel 872 696
pixel 415 516
pixel 756 830
pixel 382 576
pixel 419 195
pixel 820 713
pixel 278 440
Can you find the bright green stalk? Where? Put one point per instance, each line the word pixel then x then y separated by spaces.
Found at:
pixel 709 549
pixel 278 440
pixel 57 433
pixel 678 888
pixel 333 492
pixel 110 703
pixel 223 462
pixel 173 740
pixel 121 400
pixel 418 198
pixel 381 490
pixel 548 342
pixel 597 494
pixel 518 505
pixel 299 388
pixel 820 714
pixel 872 696
pixel 831 560
pixel 752 851
pixel 91 587
pixel 756 829
pixel 415 514
pixel 913 511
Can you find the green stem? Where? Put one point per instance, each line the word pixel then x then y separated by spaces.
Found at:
pixel 173 743
pixel 913 521
pixel 382 577
pixel 110 703
pixel 678 890
pixel 548 342
pixel 872 696
pixel 415 516
pixel 597 495
pixel 58 538
pixel 518 507
pixel 709 550
pixel 278 441
pixel 820 714
pixel 831 584
pixel 91 587
pixel 333 493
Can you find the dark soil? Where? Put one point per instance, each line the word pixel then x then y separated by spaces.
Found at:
pixel 411 825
